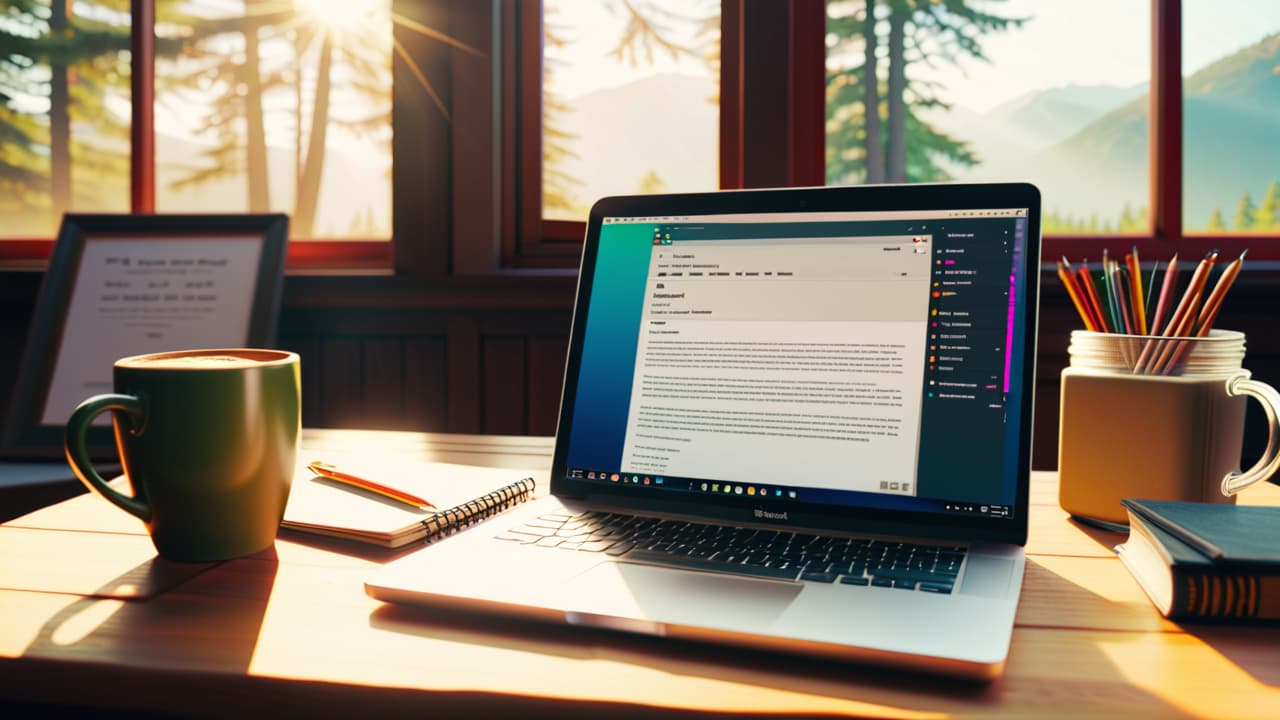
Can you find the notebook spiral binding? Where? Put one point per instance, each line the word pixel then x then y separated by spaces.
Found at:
pixel 459 517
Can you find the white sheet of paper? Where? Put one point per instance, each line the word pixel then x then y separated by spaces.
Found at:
pixel 144 295
pixel 325 503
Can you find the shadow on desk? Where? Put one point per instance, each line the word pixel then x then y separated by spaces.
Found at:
pixel 18 501
pixel 1106 539
pixel 108 622
pixel 855 682
pixel 1057 668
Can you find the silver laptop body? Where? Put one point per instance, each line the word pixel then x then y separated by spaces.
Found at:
pixel 793 420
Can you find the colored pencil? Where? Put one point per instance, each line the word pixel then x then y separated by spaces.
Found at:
pixel 1069 283
pixel 1108 292
pixel 1175 347
pixel 1119 281
pixel 1166 294
pixel 1214 303
pixel 1091 292
pixel 1151 287
pixel 1121 304
pixel 1191 295
pixel 1073 275
pixel 1208 313
pixel 1135 292
pixel 1152 359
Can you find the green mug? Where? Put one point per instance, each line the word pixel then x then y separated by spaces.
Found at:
pixel 208 439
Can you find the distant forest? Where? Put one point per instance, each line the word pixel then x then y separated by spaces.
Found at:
pixel 1248 217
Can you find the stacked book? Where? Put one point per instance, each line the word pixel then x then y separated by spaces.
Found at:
pixel 1204 561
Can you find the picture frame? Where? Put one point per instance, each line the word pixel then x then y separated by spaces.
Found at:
pixel 122 285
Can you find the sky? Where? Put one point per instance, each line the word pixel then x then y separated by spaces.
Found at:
pixel 593 28
pixel 1081 42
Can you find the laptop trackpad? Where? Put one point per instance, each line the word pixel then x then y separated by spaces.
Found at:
pixel 641 598
pixel 987 576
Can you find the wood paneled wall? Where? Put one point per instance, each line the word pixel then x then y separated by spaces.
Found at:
pixel 462 370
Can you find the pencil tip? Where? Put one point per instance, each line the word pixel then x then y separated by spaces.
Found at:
pixel 1246 252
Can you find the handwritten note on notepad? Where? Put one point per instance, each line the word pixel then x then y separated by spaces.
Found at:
pixel 463 494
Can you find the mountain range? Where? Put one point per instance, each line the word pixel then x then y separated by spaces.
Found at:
pixel 1231 122
pixel 1084 146
pixel 666 124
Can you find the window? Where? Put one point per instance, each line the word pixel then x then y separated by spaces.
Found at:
pixel 507 189
pixel 1231 102
pixel 1040 90
pixel 630 101
pixel 258 107
pixel 1018 90
pixel 270 107
pixel 64 117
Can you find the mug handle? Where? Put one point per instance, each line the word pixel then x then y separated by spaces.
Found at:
pixel 78 455
pixel 1267 465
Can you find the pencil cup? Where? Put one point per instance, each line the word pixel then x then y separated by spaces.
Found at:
pixel 1156 418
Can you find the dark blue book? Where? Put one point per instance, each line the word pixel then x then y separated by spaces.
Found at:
pixel 1204 561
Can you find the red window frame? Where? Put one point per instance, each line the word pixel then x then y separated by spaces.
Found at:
pixel 302 254
pixel 772 83
pixel 777 90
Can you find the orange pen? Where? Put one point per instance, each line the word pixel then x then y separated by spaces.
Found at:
pixel 333 473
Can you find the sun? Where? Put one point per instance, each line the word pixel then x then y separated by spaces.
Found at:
pixel 343 16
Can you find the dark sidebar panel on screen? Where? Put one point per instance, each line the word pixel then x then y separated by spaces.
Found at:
pixel 971 382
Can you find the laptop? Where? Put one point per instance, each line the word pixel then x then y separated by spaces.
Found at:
pixel 793 420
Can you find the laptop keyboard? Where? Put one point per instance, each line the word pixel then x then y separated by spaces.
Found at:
pixel 749 551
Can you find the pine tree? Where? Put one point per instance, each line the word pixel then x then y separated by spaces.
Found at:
pixel 1126 222
pixel 651 184
pixel 61 62
pixel 1215 221
pixel 1243 219
pixel 281 44
pixel 857 99
pixel 1267 216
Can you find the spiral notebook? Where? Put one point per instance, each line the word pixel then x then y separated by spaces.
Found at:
pixel 462 494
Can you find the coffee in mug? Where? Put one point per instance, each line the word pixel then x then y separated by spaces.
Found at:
pixel 208 440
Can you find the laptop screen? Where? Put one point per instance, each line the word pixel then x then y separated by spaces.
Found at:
pixel 871 359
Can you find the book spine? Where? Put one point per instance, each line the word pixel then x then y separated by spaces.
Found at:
pixel 1226 596
pixel 450 521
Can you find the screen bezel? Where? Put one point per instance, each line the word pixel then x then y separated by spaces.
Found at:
pixel 921 197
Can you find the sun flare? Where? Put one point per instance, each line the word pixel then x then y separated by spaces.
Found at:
pixel 343 15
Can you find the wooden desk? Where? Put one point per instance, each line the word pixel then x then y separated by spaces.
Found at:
pixel 291 629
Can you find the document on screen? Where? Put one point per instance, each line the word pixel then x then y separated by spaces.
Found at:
pixel 783 363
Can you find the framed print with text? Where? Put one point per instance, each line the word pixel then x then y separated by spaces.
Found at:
pixel 121 285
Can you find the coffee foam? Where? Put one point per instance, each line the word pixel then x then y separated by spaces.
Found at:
pixel 205 360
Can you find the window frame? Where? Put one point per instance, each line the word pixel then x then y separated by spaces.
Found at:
pixel 775 93
pixel 787 73
pixel 371 255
